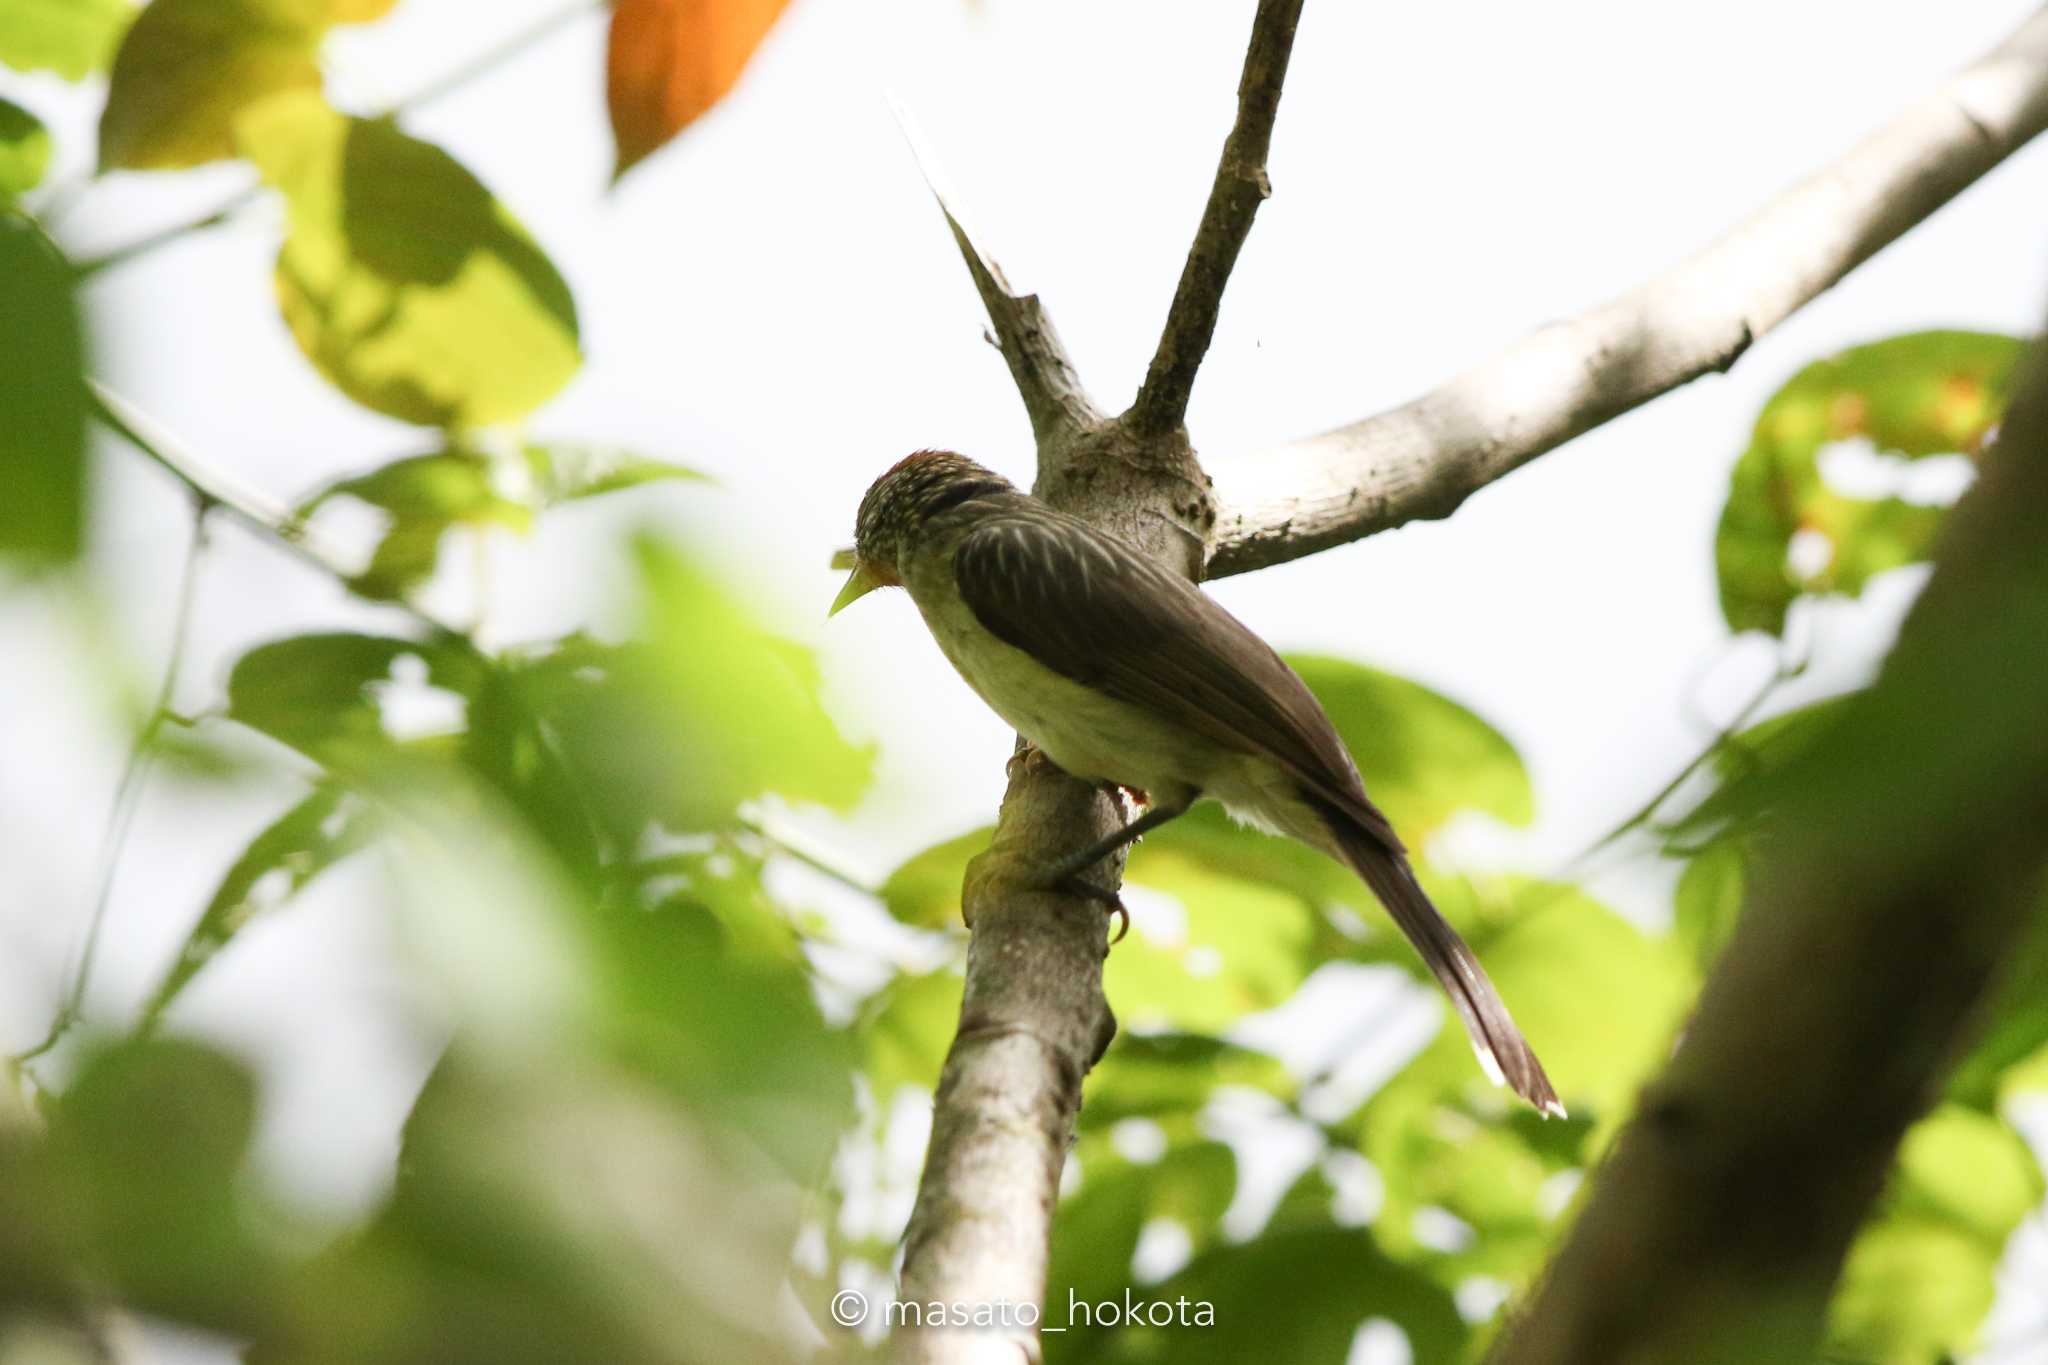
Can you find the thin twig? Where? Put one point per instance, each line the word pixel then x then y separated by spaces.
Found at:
pixel 1241 186
pixel 1045 377
pixel 1790 666
pixel 788 847
pixel 252 507
pixel 128 792
pixel 1423 459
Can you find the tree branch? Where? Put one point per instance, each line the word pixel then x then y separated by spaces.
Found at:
pixel 1870 941
pixel 1240 187
pixel 1423 459
pixel 1053 395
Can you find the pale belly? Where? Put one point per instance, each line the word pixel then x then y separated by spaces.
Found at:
pixel 1092 736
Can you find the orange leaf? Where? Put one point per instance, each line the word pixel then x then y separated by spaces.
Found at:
pixel 671 60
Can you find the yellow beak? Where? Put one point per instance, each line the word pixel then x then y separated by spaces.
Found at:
pixel 859 584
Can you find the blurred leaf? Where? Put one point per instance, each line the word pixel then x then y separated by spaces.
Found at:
pixel 1424 757
pixel 188 69
pixel 1750 766
pixel 706 711
pixel 2015 1031
pixel 24 150
pixel 1922 1274
pixel 925 891
pixel 1096 1229
pixel 1242 946
pixel 73 38
pixel 1600 1002
pixel 564 473
pixel 1926 393
pixel 1708 902
pixel 669 61
pixel 1288 1296
pixel 906 1033
pixel 147 1144
pixel 305 841
pixel 1162 1075
pixel 321 694
pixel 42 394
pixel 423 496
pixel 358 11
pixel 404 281
pixel 562 1212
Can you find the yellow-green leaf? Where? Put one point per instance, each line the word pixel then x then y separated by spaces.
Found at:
pixel 42 397
pixel 189 68
pixel 1909 397
pixel 73 38
pixel 1922 1274
pixel 403 280
pixel 423 496
pixel 1424 757
pixel 24 150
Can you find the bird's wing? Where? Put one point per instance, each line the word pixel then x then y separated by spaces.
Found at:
pixel 1092 609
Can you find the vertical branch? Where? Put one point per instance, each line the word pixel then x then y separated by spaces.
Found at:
pixel 1241 186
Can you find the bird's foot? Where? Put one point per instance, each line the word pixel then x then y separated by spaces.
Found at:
pixel 1074 884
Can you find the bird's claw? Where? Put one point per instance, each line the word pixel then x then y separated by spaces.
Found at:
pixel 1075 884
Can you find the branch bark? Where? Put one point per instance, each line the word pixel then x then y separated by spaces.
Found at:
pixel 1906 860
pixel 1054 399
pixel 1241 185
pixel 1423 459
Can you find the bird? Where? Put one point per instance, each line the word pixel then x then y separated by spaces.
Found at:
pixel 1124 674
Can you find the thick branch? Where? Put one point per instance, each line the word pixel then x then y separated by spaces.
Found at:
pixel 1905 862
pixel 1240 187
pixel 1423 459
pixel 1053 396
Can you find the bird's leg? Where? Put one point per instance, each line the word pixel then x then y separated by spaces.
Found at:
pixel 1065 875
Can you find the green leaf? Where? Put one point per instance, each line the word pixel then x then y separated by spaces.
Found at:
pixel 73 38
pixel 1751 766
pixel 1297 1295
pixel 403 280
pixel 423 496
pixel 1922 1274
pixel 1096 1229
pixel 705 711
pixel 24 150
pixel 1424 757
pixel 1708 902
pixel 321 693
pixel 907 1032
pixel 1926 393
pixel 925 891
pixel 1243 946
pixel 147 1144
pixel 188 69
pixel 305 841
pixel 565 473
pixel 1599 1001
pixel 42 394
pixel 1173 1075
pixel 2013 1043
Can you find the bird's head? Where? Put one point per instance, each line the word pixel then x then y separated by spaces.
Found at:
pixel 897 508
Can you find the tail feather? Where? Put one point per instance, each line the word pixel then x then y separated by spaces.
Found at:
pixel 1502 1050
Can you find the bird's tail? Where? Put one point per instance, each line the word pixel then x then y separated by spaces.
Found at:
pixel 1502 1049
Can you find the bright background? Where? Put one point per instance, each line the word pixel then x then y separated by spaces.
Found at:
pixel 774 300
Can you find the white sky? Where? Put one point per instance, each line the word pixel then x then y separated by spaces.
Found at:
pixel 775 300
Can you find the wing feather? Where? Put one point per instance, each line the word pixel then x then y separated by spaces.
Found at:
pixel 1090 608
